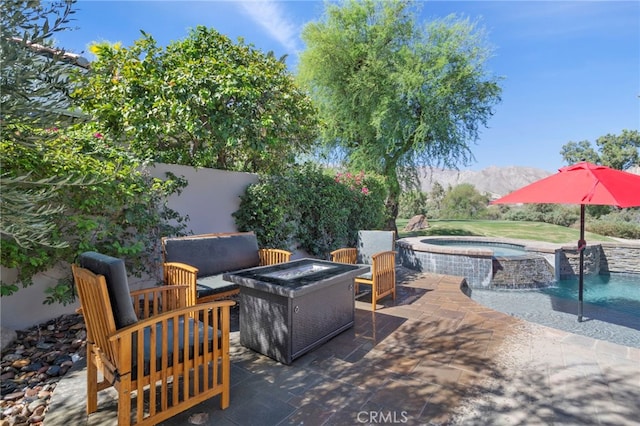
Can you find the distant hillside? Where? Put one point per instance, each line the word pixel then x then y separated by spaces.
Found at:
pixel 497 181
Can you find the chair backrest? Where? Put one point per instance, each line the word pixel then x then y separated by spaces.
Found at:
pixel 115 275
pixel 372 242
pixel 213 254
pixel 96 309
pixel 273 256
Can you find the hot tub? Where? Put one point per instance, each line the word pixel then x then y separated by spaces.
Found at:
pixel 484 262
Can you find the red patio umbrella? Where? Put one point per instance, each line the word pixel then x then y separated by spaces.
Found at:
pixel 582 183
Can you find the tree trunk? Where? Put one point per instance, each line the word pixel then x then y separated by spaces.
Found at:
pixel 391 205
pixel 393 197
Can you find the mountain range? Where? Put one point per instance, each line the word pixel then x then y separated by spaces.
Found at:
pixel 496 181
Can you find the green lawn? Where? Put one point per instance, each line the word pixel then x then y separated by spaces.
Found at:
pixel 536 231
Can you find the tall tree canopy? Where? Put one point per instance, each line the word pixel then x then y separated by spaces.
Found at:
pixel 617 151
pixel 202 101
pixel 33 90
pixel 394 95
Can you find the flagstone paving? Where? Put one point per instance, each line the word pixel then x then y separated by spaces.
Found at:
pixel 432 357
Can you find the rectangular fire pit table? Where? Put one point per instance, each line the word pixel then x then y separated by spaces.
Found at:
pixel 288 309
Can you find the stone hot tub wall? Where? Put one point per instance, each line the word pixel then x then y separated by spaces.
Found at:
pixel 600 258
pixel 543 260
pixel 481 270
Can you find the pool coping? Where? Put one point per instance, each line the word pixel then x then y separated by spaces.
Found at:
pixel 417 243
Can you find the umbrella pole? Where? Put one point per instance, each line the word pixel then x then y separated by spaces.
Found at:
pixel 582 244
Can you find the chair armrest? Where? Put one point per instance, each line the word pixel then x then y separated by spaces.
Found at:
pixel 345 255
pixel 216 315
pixel 181 266
pixel 176 273
pixel 155 300
pixel 271 256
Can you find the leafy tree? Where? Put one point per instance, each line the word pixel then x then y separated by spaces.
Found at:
pixel 203 101
pixel 436 196
pixel 464 202
pixel 574 152
pixel 616 151
pixel 620 151
pixel 119 210
pixel 412 203
pixel 33 90
pixel 393 95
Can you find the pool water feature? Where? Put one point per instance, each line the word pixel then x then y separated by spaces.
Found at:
pixel 611 306
pixel 611 292
pixel 484 262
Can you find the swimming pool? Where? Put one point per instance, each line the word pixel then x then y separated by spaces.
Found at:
pixel 527 285
pixel 617 292
pixel 611 306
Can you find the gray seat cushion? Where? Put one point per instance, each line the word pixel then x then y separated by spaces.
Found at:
pixel 366 276
pixel 213 284
pixel 115 274
pixel 211 334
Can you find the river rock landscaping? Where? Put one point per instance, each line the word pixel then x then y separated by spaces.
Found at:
pixel 32 366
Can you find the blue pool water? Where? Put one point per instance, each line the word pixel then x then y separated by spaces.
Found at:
pixel 499 249
pixel 617 292
pixel 611 306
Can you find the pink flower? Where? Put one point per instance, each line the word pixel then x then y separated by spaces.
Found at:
pixel 98 135
pixel 365 190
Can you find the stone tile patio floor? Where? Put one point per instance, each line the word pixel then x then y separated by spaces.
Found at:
pixel 433 357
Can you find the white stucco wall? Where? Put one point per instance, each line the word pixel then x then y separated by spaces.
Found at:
pixel 25 308
pixel 211 197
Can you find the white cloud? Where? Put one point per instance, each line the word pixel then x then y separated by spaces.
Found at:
pixel 271 16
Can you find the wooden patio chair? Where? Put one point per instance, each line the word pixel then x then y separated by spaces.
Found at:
pixel 161 354
pixel 381 278
pixel 377 249
pixel 273 256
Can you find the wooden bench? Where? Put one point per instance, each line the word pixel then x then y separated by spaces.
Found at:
pixel 201 260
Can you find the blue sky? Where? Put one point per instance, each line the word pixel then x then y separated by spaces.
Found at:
pixel 571 70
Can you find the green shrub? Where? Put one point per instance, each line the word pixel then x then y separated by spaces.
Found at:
pixel 623 223
pixel 308 209
pixel 615 229
pixel 562 215
pixel 412 203
pixel 464 202
pixel 555 214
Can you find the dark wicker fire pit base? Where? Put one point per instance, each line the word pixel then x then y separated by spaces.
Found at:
pixel 289 309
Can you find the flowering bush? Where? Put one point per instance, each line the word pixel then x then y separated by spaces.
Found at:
pixel 308 209
pixel 353 182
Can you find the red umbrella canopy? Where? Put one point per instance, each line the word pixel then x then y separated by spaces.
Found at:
pixel 581 183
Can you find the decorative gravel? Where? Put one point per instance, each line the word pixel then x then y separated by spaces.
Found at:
pixel 33 365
